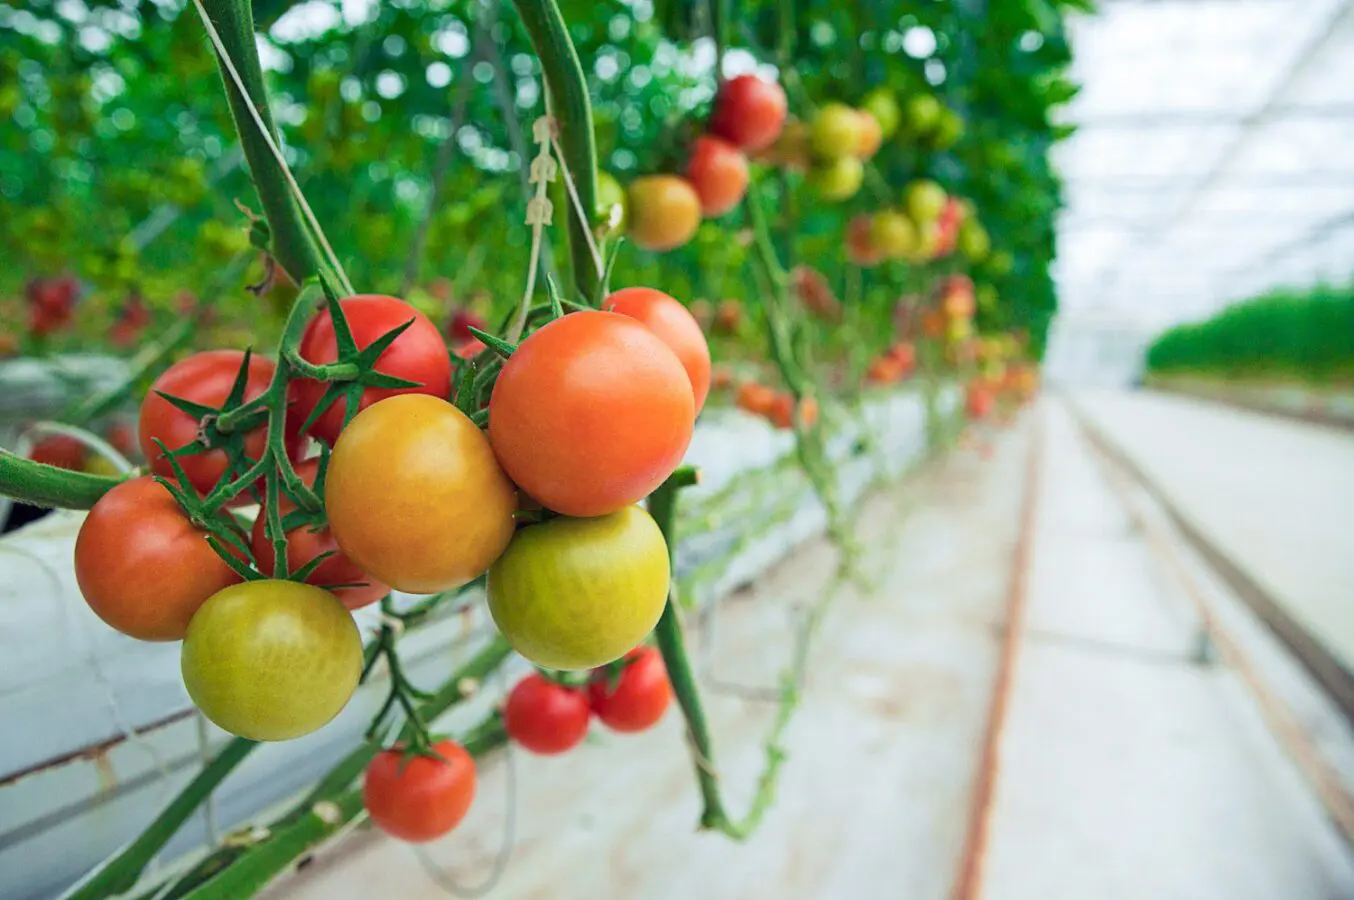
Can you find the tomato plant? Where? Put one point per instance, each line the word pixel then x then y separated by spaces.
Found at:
pixel 419 798
pixel 673 324
pixel 591 413
pixel 417 355
pixel 271 660
pixel 415 495
pixel 546 717
pixel 664 212
pixel 640 695
pixel 142 566
pixel 719 173
pixel 749 112
pixel 577 593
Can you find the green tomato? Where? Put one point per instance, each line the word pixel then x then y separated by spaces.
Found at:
pixel 610 194
pixel 1001 262
pixel 836 132
pixel 578 593
pixel 271 660
pixel 948 130
pixel 923 113
pixel 881 104
pixel 973 240
pixel 839 179
pixel 893 234
pixel 924 200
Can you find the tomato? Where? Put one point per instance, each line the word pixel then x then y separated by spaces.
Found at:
pixel 591 413
pixel 860 246
pixel 641 694
pixel 836 131
pixel 271 660
pixel 306 543
pixel 924 200
pixel 905 355
pixel 894 234
pixel 611 195
pixel 957 297
pixel 142 566
pixel 949 129
pixel 546 717
pixel 458 330
pixel 754 398
pixel 578 593
pixel 418 354
pixel 881 104
pixel 415 496
pixel 59 450
pixel 884 370
pixel 419 798
pixel 665 212
pixel 973 241
pixel 812 289
pixel 839 179
pixel 871 135
pixel 749 112
pixel 719 173
pixel 729 316
pixel 203 378
pixel 672 324
pixel 923 113
pixel 978 400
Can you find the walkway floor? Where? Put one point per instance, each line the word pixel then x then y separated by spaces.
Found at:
pixel 1274 495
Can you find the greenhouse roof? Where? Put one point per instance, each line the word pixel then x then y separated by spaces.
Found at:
pixel 1214 156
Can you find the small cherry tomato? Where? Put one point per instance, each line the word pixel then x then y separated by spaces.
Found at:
pixel 838 179
pixel 719 173
pixel 591 413
pixel 924 200
pixel 577 593
pixel 749 112
pixel 641 694
pixel 871 135
pixel 673 324
pixel 307 542
pixel 419 798
pixel 415 495
pixel 881 104
pixel 894 234
pixel 142 566
pixel 59 450
pixel 418 354
pixel 665 212
pixel 271 660
pixel 205 379
pixel 754 398
pixel 546 717
pixel 836 132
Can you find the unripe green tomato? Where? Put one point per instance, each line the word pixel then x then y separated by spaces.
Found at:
pixel 578 593
pixel 835 132
pixel 949 129
pixel 610 194
pixel 271 660
pixel 839 179
pixel 973 240
pixel 1001 262
pixel 893 234
pixel 923 113
pixel 881 104
pixel 987 297
pixel 924 199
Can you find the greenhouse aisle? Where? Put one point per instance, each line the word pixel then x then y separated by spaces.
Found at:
pixel 1127 768
pixel 1273 495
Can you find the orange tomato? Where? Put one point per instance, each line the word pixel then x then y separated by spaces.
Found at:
pixel 871 135
pixel 719 173
pixel 672 324
pixel 665 212
pixel 755 398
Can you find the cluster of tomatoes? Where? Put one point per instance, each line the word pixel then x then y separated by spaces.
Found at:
pixel 927 225
pixel 893 365
pixel 664 211
pixel 776 406
pixel 589 414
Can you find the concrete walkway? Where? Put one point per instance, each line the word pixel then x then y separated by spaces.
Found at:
pixel 1275 496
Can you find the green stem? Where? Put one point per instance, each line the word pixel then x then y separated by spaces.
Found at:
pixel 47 486
pixel 292 244
pixel 568 88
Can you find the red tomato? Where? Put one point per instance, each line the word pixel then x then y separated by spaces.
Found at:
pixel 978 399
pixel 674 325
pixel 591 413
pixel 461 323
pixel 141 564
pixel 304 544
pixel 755 398
pixel 546 717
pixel 204 378
pixel 469 349
pixel 420 798
pixel 749 112
pixel 641 695
pixel 418 354
pixel 719 173
pixel 60 451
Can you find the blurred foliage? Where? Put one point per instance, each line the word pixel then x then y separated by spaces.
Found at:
pixel 119 165
pixel 1308 335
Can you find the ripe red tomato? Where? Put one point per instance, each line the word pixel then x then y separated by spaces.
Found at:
pixel 420 798
pixel 978 399
pixel 665 212
pixel 59 450
pixel 546 717
pixel 749 112
pixel 719 173
pixel 462 320
pixel 640 697
pixel 591 413
pixel 418 354
pixel 673 324
pixel 141 564
pixel 304 544
pixel 204 378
